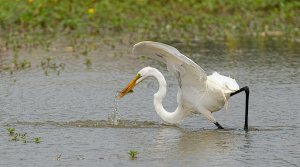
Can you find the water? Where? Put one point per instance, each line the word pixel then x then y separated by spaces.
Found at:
pixel 113 117
pixel 70 112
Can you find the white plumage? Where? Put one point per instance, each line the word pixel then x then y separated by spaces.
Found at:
pixel 197 92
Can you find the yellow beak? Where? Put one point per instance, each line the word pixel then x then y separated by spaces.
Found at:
pixel 129 86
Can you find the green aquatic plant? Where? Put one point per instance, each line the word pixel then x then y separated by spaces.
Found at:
pixel 48 64
pixel 24 64
pixel 16 65
pixel 88 62
pixel 23 137
pixel 11 131
pixel 133 154
pixel 37 140
pixel 14 137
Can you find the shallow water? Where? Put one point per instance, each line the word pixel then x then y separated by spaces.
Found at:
pixel 71 112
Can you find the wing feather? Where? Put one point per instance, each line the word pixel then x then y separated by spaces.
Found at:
pixel 187 72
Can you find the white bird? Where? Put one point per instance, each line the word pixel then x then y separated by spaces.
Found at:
pixel 197 92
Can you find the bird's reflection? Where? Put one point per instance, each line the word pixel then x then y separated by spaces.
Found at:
pixel 186 144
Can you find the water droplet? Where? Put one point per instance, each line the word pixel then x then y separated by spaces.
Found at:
pixel 113 117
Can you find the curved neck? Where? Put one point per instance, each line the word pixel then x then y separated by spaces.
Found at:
pixel 170 117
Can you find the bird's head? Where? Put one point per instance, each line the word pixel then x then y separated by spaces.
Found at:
pixel 140 76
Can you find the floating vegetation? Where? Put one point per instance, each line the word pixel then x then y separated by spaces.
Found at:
pixel 11 131
pixel 133 154
pixel 16 65
pixel 15 136
pixel 48 65
pixel 37 139
pixel 23 137
pixel 88 62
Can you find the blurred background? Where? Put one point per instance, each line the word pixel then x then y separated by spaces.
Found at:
pixel 83 26
pixel 63 61
pixel 165 19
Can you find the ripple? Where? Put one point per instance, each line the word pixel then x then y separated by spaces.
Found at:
pixel 96 124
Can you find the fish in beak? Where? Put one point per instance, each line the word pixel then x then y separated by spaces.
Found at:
pixel 129 87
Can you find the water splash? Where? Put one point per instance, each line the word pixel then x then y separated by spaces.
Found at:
pixel 114 116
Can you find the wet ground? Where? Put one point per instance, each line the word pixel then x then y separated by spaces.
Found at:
pixel 72 112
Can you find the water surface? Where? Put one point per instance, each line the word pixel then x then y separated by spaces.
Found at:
pixel 70 112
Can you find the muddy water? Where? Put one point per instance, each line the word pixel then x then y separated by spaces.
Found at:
pixel 71 112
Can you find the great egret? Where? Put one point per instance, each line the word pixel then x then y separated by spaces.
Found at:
pixel 197 92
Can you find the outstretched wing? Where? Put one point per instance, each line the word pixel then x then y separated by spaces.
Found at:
pixel 187 72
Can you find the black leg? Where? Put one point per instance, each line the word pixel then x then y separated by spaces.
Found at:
pixel 218 125
pixel 246 89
